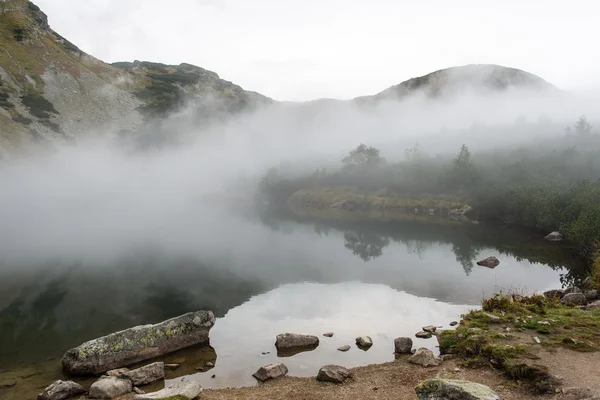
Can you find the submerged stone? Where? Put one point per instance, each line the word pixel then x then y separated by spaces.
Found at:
pixel 138 344
pixel 440 389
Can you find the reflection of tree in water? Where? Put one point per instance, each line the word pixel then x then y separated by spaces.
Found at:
pixel 366 245
pixel 417 247
pixel 466 254
pixel 322 229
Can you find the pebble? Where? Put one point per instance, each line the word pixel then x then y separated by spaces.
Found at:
pixel 537 340
pixel 453 323
pixel 344 348
pixel 328 334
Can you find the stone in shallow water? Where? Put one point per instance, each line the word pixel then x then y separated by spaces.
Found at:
pixel 271 371
pixel 364 342
pixel 554 236
pixel 344 348
pixel 294 340
pixel 423 335
pixel 442 389
pixel 61 390
pixel 328 334
pixel 403 345
pixel 425 358
pixel 429 328
pixel 453 323
pixel 333 373
pixel 138 344
pixel 490 262
pixel 110 387
pixel 146 374
pixel 181 391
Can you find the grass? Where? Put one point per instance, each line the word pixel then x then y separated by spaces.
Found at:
pixel 501 334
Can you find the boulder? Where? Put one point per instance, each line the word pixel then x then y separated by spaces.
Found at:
pixel 181 391
pixel 294 340
pixel 344 348
pixel 439 389
pixel 61 390
pixel 554 236
pixel 271 371
pixel 572 289
pixel 554 293
pixel 403 345
pixel 364 342
pixel 591 295
pixel 333 373
pixel 138 344
pixel 490 262
pixel 574 299
pixel 110 387
pixel 146 374
pixel 593 306
pixel 425 358
pixel 424 335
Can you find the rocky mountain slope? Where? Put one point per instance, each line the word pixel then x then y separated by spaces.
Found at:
pixel 50 89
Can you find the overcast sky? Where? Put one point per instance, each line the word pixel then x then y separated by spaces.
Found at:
pixel 307 49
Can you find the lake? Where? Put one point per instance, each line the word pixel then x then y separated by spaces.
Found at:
pixel 264 276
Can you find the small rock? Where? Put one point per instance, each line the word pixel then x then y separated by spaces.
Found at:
pixel 429 328
pixel 403 345
pixel 456 370
pixel 209 365
pixel 146 374
pixel 188 390
pixel 425 358
pixel 138 390
pixel 214 376
pixel 439 389
pixel 537 340
pixel 574 299
pixel 453 323
pixel 333 373
pixel 543 323
pixel 271 371
pixel 344 348
pixel 172 366
pixel 110 387
pixel 294 340
pixel 591 295
pixel 423 335
pixel 490 262
pixel 364 342
pixel 554 293
pixel 554 236
pixel 328 334
pixel 59 390
pixel 492 316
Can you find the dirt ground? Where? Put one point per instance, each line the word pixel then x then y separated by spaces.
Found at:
pixel 580 373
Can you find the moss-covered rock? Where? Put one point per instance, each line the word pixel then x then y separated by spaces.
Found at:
pixel 442 389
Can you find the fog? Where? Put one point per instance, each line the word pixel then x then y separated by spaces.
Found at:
pixel 168 188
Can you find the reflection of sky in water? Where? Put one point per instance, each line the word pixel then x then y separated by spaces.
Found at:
pixel 348 309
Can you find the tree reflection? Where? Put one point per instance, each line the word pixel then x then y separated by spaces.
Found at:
pixel 366 245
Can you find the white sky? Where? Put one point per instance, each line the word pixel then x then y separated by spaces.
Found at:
pixel 307 49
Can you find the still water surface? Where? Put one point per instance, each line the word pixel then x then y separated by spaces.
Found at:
pixel 382 280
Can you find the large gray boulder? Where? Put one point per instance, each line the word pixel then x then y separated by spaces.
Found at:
pixel 403 345
pixel 271 371
pixel 449 389
pixel 145 375
pixel 333 373
pixel 182 391
pixel 110 387
pixel 574 299
pixel 425 358
pixel 138 344
pixel 61 390
pixel 294 340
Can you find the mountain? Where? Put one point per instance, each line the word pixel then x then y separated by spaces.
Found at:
pixel 475 78
pixel 50 89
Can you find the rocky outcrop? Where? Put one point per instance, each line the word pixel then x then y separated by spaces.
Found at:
pixel 440 389
pixel 271 371
pixel 425 358
pixel 295 341
pixel 333 373
pixel 137 344
pixel 574 299
pixel 403 345
pixel 181 391
pixel 110 387
pixel 554 236
pixel 61 390
pixel 490 262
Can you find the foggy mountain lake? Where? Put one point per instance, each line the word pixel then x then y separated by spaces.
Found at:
pixel 273 275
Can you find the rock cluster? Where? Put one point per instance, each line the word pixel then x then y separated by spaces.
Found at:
pixel 582 295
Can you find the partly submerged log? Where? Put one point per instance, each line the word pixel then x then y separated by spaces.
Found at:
pixel 138 344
